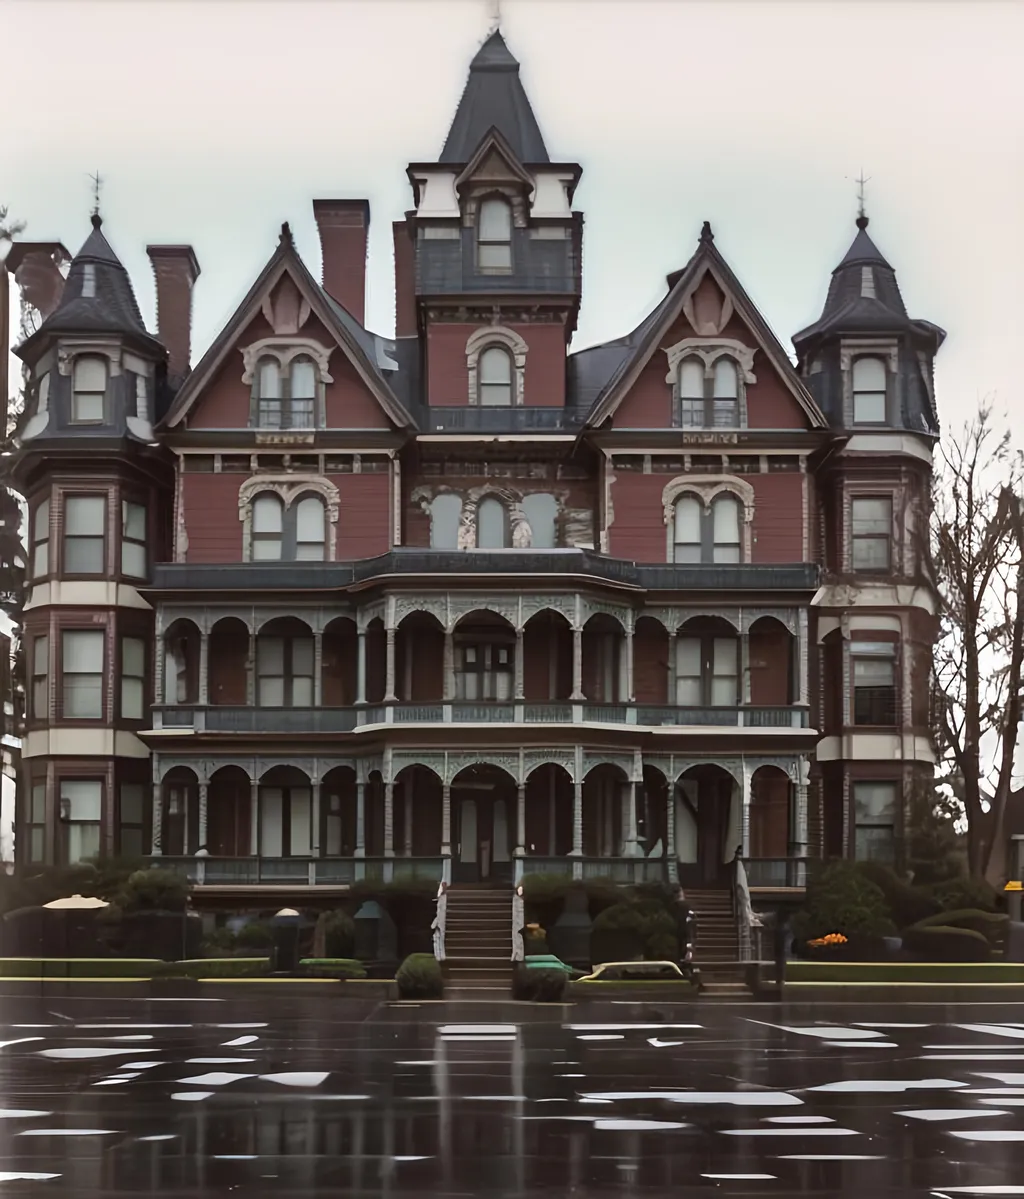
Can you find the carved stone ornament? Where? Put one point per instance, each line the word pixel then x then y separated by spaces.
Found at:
pixel 69 351
pixel 709 351
pixel 289 488
pixel 285 309
pixel 496 335
pixel 284 349
pixel 706 487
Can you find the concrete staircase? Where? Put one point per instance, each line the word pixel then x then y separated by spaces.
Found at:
pixel 716 949
pixel 478 939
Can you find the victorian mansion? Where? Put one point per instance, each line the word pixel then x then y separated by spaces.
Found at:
pixel 461 603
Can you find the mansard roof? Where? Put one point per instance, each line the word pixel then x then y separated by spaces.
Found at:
pixel 494 97
pixel 97 298
pixel 624 359
pixel 369 353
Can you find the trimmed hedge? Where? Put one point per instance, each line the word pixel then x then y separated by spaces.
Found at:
pixel 934 973
pixel 419 977
pixel 941 943
pixel 79 967
pixel 215 968
pixel 342 968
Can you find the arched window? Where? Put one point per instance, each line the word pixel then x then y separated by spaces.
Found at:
pixel 445 514
pixel 90 388
pixel 725 403
pixel 691 393
pixel 310 529
pixel 868 391
pixel 267 527
pixel 302 394
pixel 494 236
pixel 708 403
pixel 495 378
pixel 491 525
pixel 268 384
pixel 702 536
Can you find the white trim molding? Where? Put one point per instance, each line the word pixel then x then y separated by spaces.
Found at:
pixel 284 349
pixel 289 488
pixel 706 488
pixel 709 349
pixel 496 335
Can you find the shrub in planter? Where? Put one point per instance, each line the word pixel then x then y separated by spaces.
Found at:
pixel 419 977
pixel 618 934
pixel 907 904
pixel 153 891
pixel 332 968
pixel 602 893
pixel 991 925
pixel 540 986
pixel 936 943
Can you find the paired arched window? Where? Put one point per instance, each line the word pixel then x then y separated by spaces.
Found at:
pixel 708 402
pixel 868 391
pixel 495 387
pixel 492 525
pixel 494 235
pixel 707 536
pixel 90 389
pixel 285 398
pixel 296 533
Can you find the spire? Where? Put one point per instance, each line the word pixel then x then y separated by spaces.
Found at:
pixel 494 97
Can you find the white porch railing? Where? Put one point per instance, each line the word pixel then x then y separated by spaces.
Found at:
pixel 439 921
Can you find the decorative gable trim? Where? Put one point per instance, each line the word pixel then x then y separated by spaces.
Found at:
pixel 493 143
pixel 284 349
pixel 709 350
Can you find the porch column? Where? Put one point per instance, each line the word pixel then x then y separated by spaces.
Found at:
pixel 671 857
pixel 389 675
pixel 800 818
pixel 318 667
pixel 360 667
pixel 160 661
pixel 389 820
pixel 626 668
pixel 204 793
pixel 577 820
pixel 745 796
pixel 670 683
pixel 250 672
pixel 158 818
pixel 314 819
pixel 630 848
pixel 204 669
pixel 254 820
pixel 520 850
pixel 407 792
pixel 745 667
pixel 446 820
pixel 449 666
pixel 519 664
pixel 577 665
pixel 360 851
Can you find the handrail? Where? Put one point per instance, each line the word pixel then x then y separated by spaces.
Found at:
pixel 746 917
pixel 518 924
pixel 440 920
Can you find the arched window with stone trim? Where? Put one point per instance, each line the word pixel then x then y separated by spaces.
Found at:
pixel 296 532
pixel 310 529
pixel 267 536
pixel 494 236
pixel 707 534
pixel 868 391
pixel 284 397
pixel 496 386
pixel 301 394
pixel 708 402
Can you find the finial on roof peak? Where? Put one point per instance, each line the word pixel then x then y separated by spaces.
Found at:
pixel 286 233
pixel 97 183
pixel 862 220
pixel 706 236
pixel 97 220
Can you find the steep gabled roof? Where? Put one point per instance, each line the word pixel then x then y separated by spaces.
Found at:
pixel 494 97
pixel 636 350
pixel 359 344
pixel 97 297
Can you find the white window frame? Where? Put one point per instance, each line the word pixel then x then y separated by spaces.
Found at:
pixel 485 338
pixel 95 637
pixel 71 502
pixel 132 545
pixel 81 795
pixel 133 682
pixel 81 393
pixel 489 246
pixel 865 394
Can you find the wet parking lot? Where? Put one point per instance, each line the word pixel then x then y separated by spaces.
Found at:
pixel 316 1097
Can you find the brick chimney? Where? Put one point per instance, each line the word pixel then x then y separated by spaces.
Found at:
pixel 176 270
pixel 344 226
pixel 405 280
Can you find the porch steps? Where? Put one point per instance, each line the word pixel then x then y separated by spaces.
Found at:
pixel 478 939
pixel 716 949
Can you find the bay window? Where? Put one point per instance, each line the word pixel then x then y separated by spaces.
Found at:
pixel 874 682
pixel 133 678
pixel 81 813
pixel 874 808
pixel 41 539
pixel 82 674
pixel 131 820
pixel 133 539
pixel 871 533
pixel 40 708
pixel 85 522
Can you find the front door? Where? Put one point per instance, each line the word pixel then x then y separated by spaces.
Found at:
pixel 712 825
pixel 228 834
pixel 467 861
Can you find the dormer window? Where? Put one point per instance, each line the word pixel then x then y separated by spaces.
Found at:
pixel 494 236
pixel 495 378
pixel 868 391
pixel 286 398
pixel 90 388
pixel 708 403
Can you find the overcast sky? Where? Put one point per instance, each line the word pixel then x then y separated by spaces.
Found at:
pixel 212 122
